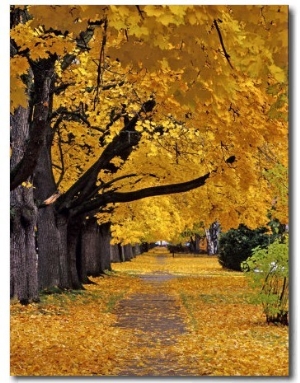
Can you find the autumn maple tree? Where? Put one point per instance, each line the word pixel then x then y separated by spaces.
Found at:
pixel 114 104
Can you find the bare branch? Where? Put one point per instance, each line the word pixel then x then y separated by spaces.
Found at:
pixel 227 56
pixel 61 155
pixel 101 61
pixel 140 11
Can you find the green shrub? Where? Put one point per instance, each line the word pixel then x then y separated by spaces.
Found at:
pixel 268 270
pixel 236 245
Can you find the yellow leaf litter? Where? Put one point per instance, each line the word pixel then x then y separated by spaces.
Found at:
pixel 77 333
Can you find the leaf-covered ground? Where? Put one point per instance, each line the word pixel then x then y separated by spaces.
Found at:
pixel 153 316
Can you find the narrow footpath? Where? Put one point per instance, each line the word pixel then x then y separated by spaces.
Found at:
pixel 158 319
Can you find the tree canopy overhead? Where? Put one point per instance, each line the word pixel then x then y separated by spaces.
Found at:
pixel 155 95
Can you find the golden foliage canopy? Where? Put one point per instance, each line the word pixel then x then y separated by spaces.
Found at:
pixel 218 75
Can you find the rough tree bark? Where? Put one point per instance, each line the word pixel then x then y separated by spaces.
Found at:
pixel 23 255
pixel 53 265
pixel 105 238
pixel 95 248
pixel 74 256
pixel 90 249
pixel 115 255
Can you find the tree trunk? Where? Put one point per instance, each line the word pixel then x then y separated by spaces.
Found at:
pixel 96 251
pixel 50 246
pixel 144 247
pixel 90 248
pixel 57 262
pixel 53 267
pixel 104 247
pixel 115 255
pixel 23 261
pixel 23 256
pixel 121 252
pixel 212 237
pixel 76 261
pixel 135 250
pixel 195 244
pixel 127 252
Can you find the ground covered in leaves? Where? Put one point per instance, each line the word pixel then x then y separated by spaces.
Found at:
pixel 154 316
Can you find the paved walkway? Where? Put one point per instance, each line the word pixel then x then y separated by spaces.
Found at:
pixel 157 316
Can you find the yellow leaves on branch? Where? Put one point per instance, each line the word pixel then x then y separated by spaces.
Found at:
pixel 73 19
pixel 39 44
pixel 278 73
pixel 206 110
pixel 146 221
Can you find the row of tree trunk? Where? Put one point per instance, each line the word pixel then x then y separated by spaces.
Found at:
pixel 49 247
pixel 38 264
pixel 53 244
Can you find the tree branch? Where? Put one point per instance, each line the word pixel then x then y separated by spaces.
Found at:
pixel 101 61
pixel 62 173
pixel 43 73
pixel 140 11
pixel 108 184
pixel 43 79
pixel 227 56
pixel 117 197
pixel 75 116
pixel 119 147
